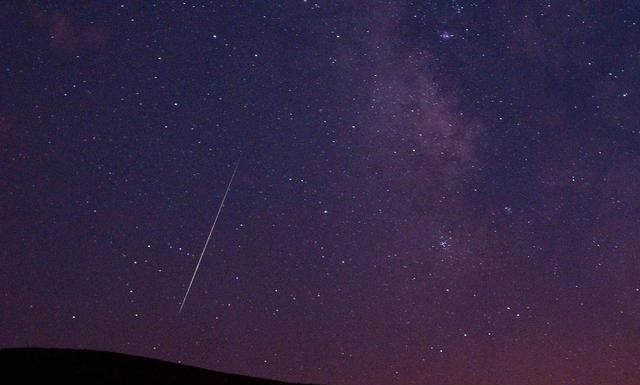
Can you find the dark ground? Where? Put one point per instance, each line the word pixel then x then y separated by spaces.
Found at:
pixel 67 366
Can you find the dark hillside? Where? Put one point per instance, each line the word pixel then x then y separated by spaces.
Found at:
pixel 71 367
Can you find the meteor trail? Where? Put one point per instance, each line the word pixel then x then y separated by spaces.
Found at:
pixel 209 237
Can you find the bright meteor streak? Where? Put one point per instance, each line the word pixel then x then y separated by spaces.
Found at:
pixel 209 237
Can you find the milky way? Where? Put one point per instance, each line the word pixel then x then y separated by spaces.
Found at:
pixel 434 192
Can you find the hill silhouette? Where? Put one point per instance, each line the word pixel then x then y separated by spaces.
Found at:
pixel 70 367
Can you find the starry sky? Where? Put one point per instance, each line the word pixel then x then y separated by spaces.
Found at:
pixel 428 192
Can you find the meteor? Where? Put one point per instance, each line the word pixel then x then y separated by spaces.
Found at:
pixel 209 237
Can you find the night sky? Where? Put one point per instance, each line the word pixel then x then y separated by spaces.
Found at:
pixel 428 192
